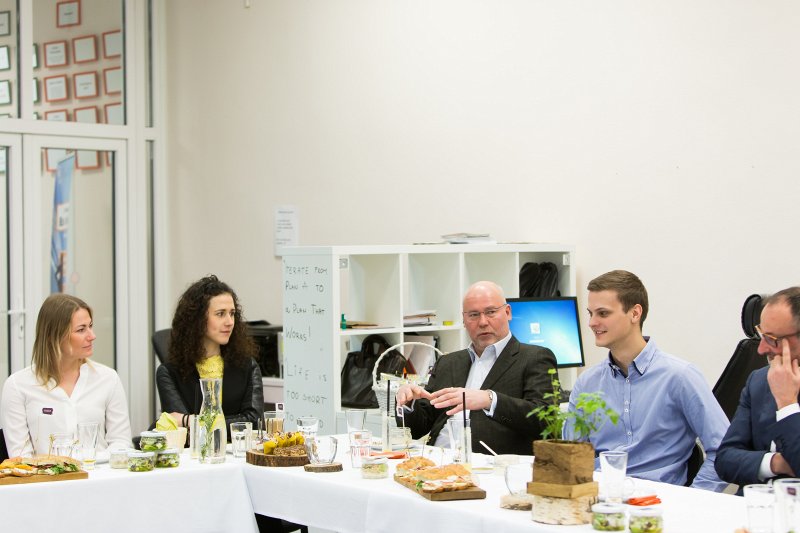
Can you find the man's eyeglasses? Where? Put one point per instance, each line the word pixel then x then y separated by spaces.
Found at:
pixel 489 313
pixel 772 340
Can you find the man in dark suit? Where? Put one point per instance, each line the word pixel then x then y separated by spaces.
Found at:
pixel 763 440
pixel 502 379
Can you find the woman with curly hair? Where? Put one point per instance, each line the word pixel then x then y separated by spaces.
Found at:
pixel 209 340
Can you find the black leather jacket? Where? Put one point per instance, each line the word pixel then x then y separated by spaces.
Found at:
pixel 242 392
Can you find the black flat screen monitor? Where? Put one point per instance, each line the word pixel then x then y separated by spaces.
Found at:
pixel 549 322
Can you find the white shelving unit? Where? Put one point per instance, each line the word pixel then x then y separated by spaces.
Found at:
pixel 379 284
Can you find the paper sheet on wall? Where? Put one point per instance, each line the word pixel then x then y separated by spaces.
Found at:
pixel 286 226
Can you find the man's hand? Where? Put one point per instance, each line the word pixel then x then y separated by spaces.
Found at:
pixel 452 397
pixel 407 393
pixel 779 466
pixel 784 377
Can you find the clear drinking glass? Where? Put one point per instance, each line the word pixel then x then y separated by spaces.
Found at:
pixel 518 476
pixel 760 500
pixel 355 418
pixel 87 443
pixel 62 444
pixel 322 450
pixel 613 467
pixel 460 439
pixel 241 435
pixel 273 422
pixel 308 426
pixel 787 501
pixel 360 443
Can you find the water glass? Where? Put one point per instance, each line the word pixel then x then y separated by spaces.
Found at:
pixel 760 500
pixel 322 450
pixel 241 435
pixel 787 501
pixel 460 439
pixel 518 476
pixel 355 418
pixel 613 467
pixel 87 443
pixel 360 444
pixel 62 444
pixel 308 426
pixel 273 422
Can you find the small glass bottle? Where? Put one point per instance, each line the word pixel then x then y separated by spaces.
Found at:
pixel 343 323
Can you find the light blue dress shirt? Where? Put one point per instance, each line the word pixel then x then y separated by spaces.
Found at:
pixel 664 405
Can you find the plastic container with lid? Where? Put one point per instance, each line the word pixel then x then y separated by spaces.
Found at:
pixel 169 458
pixel 374 468
pixel 141 461
pixel 608 517
pixel 646 520
pixel 153 441
pixel 118 458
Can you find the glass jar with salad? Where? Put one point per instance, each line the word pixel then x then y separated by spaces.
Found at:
pixel 141 461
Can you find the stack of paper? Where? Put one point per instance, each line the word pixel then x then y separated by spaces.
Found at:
pixel 469 238
pixel 420 318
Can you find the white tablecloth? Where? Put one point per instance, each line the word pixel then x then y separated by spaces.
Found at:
pixel 192 497
pixel 346 503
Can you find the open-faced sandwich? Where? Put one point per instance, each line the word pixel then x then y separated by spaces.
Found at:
pixel 423 475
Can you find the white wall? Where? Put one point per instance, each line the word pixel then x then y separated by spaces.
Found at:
pixel 659 137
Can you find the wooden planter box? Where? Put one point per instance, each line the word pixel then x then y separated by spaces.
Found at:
pixel 563 462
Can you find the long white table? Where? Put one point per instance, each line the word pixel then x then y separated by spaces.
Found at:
pixel 192 497
pixel 346 503
pixel 222 498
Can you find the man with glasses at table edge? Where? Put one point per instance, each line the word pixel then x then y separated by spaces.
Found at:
pixel 664 403
pixel 502 379
pixel 763 441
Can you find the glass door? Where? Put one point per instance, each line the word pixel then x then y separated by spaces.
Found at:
pixel 75 235
pixel 11 303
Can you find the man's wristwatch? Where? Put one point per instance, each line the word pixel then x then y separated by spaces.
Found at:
pixel 491 398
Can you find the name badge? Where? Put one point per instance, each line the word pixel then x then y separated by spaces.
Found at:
pixel 47 410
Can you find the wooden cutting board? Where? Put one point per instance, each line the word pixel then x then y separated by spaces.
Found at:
pixel 472 493
pixel 41 478
pixel 254 457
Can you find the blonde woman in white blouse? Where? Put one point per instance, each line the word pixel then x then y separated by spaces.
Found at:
pixel 62 387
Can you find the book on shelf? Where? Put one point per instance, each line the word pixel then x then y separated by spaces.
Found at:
pixel 420 318
pixel 357 324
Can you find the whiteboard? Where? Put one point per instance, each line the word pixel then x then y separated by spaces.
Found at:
pixel 307 330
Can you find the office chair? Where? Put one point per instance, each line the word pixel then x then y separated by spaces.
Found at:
pixel 745 358
pixel 3 449
pixel 694 463
pixel 160 342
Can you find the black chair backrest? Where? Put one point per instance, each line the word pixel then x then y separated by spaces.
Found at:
pixel 3 449
pixel 694 463
pixel 744 361
pixel 161 343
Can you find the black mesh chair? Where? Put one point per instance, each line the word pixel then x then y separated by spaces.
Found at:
pixel 745 358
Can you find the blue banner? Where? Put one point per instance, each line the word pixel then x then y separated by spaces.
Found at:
pixel 59 245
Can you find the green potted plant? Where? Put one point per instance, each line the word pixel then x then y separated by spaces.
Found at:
pixel 568 462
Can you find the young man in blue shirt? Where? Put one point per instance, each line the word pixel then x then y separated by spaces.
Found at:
pixel 664 402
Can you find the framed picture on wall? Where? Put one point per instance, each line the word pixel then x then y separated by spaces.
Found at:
pixel 115 114
pixel 113 80
pixel 112 44
pixel 55 88
pixel 87 159
pixel 5 92
pixel 57 115
pixel 85 84
pixel 84 49
pixel 35 89
pixel 87 115
pixel 5 58
pixel 68 13
pixel 5 23
pixel 55 54
pixel 35 59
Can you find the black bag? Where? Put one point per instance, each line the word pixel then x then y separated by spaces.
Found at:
pixel 357 371
pixel 538 280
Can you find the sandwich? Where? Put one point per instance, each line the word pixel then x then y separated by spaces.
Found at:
pixel 49 465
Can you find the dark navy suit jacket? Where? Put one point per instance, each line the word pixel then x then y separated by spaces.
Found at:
pixel 752 431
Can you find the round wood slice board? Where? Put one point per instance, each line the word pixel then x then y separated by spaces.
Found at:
pixel 257 458
pixel 330 467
